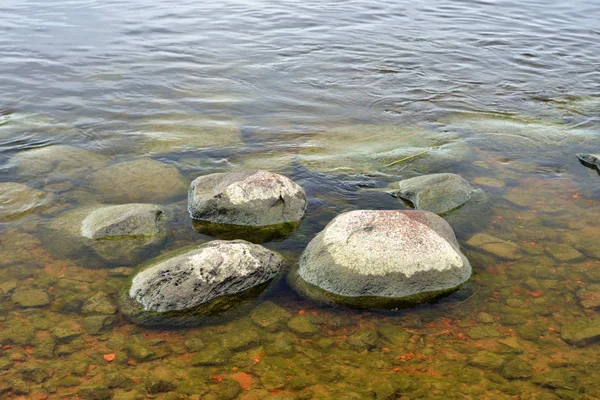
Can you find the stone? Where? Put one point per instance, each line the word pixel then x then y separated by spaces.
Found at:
pixel 496 246
pixel 18 200
pixel 94 392
pixel 155 385
pixel 101 236
pixel 371 149
pixel 483 332
pixel 229 390
pixel 211 356
pixel 236 341
pixel 564 252
pixel 517 369
pixel 590 296
pixel 249 198
pixel 122 220
pixel 302 325
pixel 559 378
pixel 384 258
pixel 30 298
pixel 58 161
pixel 438 193
pixel 143 180
pixel 364 340
pixel 63 334
pixel 139 350
pixel 194 344
pixel 204 281
pixel 488 181
pixel 270 316
pixel 486 359
pixel 100 303
pixel 581 332
pixel 590 159
pixel 8 286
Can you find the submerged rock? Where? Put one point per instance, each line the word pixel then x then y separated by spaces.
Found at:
pixel 385 258
pixel 438 193
pixel 590 159
pixel 107 235
pixel 58 161
pixel 581 332
pixel 17 200
pixel 137 181
pixel 496 246
pixel 207 280
pixel 250 198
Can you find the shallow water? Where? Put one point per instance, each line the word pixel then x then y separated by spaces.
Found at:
pixel 331 94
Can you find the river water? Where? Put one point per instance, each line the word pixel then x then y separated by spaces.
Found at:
pixel 332 94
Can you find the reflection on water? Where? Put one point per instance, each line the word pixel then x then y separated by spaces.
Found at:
pixel 114 101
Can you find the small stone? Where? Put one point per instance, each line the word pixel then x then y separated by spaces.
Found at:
pixel 120 272
pixel 590 159
pixel 155 385
pixel 483 332
pixel 94 392
pixel 515 303
pixel 17 200
pixel 517 369
pixel 282 345
pixel 236 341
pixel 560 378
pixel 486 359
pixel 485 318
pixel 511 342
pixel 488 181
pixel 64 334
pixel 139 350
pixel 302 325
pixel 270 316
pixel 394 335
pixel 211 356
pixel 365 340
pixel 229 390
pixel 100 303
pixel 8 286
pixel 31 298
pixel 193 345
pixel 581 332
pixel 498 247
pixel 94 324
pixel 564 252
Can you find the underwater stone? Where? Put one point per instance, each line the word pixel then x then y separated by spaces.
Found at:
pixel 302 325
pixel 564 252
pixel 250 198
pixel 438 193
pixel 58 160
pixel 17 200
pixel 270 316
pixel 100 303
pixel 498 247
pixel 122 220
pixel 214 269
pixel 581 332
pixel 517 369
pixel 384 258
pixel 211 356
pixel 591 159
pixel 31 298
pixel 143 180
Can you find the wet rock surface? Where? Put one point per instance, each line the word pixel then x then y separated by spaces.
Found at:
pixel 590 159
pixel 249 198
pixel 438 193
pixel 143 180
pixel 122 220
pixel 18 200
pixel 384 255
pixel 193 279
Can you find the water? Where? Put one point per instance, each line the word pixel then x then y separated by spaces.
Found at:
pixel 329 93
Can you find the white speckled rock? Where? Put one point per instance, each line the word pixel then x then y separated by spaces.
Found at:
pixel 122 220
pixel 215 269
pixel 438 193
pixel 385 254
pixel 251 198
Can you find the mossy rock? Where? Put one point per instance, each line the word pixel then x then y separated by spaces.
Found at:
pixel 325 297
pixel 252 234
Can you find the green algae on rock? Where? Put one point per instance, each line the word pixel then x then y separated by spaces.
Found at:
pixel 183 288
pixel 142 180
pixel 252 234
pixel 381 259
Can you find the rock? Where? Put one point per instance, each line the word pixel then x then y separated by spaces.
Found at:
pixel 100 236
pixel 62 334
pixel 488 181
pixel 17 200
pixel 581 332
pixel 517 369
pixel 58 161
pixel 564 252
pixel 250 198
pixel 229 390
pixel 155 385
pixel 100 303
pixel 560 378
pixel 364 340
pixel 137 181
pixel 94 392
pixel 8 286
pixel 194 344
pixel 31 298
pixel 94 324
pixel 211 356
pixel 270 316
pixel 590 159
pixel 139 350
pixel 486 359
pixel 483 332
pixel 207 280
pixel 438 193
pixel 235 341
pixel 122 220
pixel 498 247
pixel 590 296
pixel 385 258
pixel 302 326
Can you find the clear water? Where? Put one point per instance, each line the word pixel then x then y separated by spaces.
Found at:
pixel 329 93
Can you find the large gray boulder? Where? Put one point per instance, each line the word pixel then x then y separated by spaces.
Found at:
pixel 251 198
pixel 384 258
pixel 100 236
pixel 590 159
pixel 438 193
pixel 17 200
pixel 137 181
pixel 203 281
